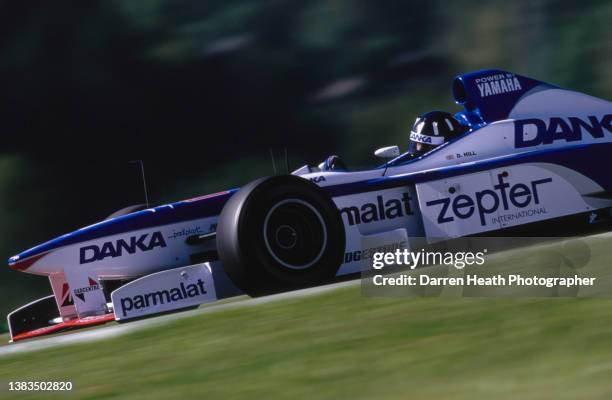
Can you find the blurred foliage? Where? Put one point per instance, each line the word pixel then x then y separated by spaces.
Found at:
pixel 201 90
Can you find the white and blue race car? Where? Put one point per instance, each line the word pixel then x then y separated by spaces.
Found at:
pixel 532 154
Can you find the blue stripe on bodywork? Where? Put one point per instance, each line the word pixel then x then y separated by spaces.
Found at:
pixel 162 215
pixel 588 160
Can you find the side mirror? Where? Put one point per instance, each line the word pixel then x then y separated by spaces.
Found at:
pixel 387 152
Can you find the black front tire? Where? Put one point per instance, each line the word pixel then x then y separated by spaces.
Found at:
pixel 280 233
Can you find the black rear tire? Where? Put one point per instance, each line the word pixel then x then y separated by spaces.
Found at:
pixel 280 233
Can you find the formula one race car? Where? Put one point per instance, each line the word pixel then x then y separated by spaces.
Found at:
pixel 529 154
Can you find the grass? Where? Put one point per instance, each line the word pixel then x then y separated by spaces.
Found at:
pixel 342 344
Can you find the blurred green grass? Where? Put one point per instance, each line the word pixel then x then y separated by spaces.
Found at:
pixel 344 345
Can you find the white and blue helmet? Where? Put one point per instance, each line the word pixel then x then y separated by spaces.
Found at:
pixel 431 130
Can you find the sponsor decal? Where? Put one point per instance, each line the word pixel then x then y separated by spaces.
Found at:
pixel 497 84
pixel 487 201
pixel 80 292
pixel 66 296
pixel 382 209
pixel 533 131
pixel 518 215
pixel 185 232
pixel 317 179
pixel 366 254
pixel 166 296
pixel 144 242
pixel 417 137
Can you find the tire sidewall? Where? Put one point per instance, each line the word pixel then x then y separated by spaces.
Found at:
pixel 251 266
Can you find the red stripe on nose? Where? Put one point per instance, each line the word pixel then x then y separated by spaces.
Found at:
pixel 22 265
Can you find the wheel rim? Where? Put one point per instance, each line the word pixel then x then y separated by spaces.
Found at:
pixel 295 234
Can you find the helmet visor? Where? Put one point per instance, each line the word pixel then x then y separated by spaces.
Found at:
pixel 421 144
pixel 418 148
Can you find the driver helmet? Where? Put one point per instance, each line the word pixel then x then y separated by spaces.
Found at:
pixel 432 129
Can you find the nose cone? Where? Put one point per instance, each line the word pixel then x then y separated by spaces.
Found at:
pixel 22 263
pixel 185 210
